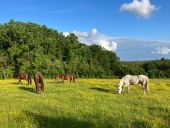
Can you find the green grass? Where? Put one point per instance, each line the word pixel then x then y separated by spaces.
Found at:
pixel 89 103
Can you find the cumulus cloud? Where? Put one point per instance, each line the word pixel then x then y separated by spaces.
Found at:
pixel 66 33
pixel 125 47
pixel 140 49
pixel 94 37
pixel 161 50
pixel 94 31
pixel 139 8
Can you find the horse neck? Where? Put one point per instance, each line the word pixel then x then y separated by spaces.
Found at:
pixel 121 82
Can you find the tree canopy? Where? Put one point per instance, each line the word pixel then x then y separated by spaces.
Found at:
pixel 31 47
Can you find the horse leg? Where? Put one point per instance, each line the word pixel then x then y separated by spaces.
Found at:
pixel 31 81
pixel 37 88
pixel 123 90
pixel 56 77
pixel 144 88
pixel 62 80
pixel 28 81
pixel 74 79
pixel 147 87
pixel 19 82
pixel 128 89
pixel 42 87
pixel 120 88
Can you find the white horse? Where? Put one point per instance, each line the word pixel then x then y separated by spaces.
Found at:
pixel 128 80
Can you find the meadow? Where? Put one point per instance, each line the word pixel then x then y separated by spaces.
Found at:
pixel 88 103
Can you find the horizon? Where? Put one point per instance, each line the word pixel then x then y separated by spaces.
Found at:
pixel 135 30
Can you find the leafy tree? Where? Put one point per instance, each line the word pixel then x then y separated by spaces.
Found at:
pixel 32 48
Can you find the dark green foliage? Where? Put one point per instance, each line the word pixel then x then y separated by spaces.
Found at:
pixel 154 69
pixel 158 68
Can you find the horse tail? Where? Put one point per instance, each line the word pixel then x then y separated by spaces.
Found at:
pixel 147 85
pixel 36 81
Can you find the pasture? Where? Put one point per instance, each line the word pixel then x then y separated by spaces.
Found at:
pixel 88 103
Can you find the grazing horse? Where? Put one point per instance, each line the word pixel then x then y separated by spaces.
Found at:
pixel 24 76
pixel 70 77
pixel 39 83
pixel 128 80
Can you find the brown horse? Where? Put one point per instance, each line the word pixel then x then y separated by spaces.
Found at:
pixel 39 83
pixel 24 76
pixel 70 77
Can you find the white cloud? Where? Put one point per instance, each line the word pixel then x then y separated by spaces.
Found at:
pixel 111 46
pixel 126 48
pixel 140 8
pixel 93 37
pixel 66 33
pixel 161 50
pixel 94 31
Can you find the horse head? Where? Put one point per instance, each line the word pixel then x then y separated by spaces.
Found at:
pixel 119 88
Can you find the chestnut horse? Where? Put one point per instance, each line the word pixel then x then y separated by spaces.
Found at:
pixel 39 83
pixel 70 77
pixel 24 76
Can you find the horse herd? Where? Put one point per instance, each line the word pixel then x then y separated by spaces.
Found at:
pixel 38 79
pixel 126 81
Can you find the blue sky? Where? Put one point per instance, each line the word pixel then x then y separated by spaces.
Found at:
pixel 134 29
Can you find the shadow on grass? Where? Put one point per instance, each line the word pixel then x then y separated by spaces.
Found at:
pixel 139 124
pixel 103 90
pixel 23 83
pixel 53 82
pixel 14 83
pixel 168 85
pixel 57 122
pixel 164 112
pixel 27 89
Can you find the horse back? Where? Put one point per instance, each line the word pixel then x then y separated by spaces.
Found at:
pixel 38 78
pixel 23 76
pixel 130 80
pixel 143 78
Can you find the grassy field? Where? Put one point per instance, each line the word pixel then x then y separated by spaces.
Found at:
pixel 89 103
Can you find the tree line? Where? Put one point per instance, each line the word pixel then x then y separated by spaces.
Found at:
pixel 34 48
